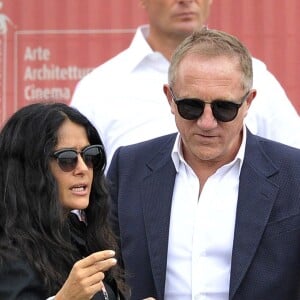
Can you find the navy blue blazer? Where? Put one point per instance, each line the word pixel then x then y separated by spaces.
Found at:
pixel 266 248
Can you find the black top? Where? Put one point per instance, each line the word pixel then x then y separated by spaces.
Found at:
pixel 19 280
pixel 78 234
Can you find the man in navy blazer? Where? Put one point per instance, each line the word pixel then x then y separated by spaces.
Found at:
pixel 212 212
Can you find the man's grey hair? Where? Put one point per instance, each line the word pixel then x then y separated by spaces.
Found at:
pixel 213 43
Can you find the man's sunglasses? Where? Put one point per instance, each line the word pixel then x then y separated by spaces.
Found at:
pixel 93 157
pixel 192 108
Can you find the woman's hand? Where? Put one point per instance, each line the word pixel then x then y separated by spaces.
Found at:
pixel 86 276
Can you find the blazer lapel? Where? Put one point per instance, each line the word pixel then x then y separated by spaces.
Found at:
pixel 257 194
pixel 157 191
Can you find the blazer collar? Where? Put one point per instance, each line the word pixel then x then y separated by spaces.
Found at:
pixel 257 194
pixel 157 191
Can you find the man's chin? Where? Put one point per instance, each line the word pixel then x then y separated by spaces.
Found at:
pixel 185 29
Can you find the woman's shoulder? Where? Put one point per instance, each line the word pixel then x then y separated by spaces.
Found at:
pixel 19 280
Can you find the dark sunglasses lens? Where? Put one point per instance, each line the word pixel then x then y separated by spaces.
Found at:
pixel 224 111
pixel 93 157
pixel 67 160
pixel 190 109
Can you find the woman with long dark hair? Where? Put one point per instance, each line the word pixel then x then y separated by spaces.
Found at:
pixel 54 235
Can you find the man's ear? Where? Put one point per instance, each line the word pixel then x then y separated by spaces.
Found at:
pixel 168 93
pixel 251 97
pixel 249 100
pixel 169 98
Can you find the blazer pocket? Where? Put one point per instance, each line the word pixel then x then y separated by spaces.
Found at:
pixel 283 226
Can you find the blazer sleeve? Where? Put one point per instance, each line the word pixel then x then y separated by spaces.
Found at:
pixel 18 280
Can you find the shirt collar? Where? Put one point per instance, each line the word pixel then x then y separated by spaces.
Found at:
pixel 178 158
pixel 140 50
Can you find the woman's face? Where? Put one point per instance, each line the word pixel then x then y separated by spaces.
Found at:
pixel 74 187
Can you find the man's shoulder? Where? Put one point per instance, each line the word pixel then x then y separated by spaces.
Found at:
pixel 125 61
pixel 116 63
pixel 154 143
pixel 258 64
pixel 133 158
pixel 263 77
pixel 145 150
pixel 103 75
pixel 278 151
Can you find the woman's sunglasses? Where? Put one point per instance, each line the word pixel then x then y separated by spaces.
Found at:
pixel 93 157
pixel 192 109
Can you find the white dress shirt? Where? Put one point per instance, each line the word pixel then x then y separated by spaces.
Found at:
pixel 124 99
pixel 201 231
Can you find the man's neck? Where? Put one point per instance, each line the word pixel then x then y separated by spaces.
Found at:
pixel 163 43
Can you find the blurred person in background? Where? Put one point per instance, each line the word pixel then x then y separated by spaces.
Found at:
pixel 124 97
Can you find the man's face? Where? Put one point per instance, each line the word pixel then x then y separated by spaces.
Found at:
pixel 175 17
pixel 206 139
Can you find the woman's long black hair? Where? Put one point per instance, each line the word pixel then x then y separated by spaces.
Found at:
pixel 32 221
